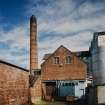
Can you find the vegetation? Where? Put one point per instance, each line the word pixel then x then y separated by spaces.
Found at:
pixel 40 102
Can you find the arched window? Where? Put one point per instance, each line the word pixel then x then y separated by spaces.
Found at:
pixel 68 60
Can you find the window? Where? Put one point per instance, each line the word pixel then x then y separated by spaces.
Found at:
pixel 56 60
pixel 76 83
pixel 81 81
pixel 68 60
pixel 68 84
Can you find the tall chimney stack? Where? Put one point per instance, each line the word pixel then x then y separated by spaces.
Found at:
pixel 33 44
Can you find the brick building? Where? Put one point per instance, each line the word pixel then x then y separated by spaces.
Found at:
pixel 63 74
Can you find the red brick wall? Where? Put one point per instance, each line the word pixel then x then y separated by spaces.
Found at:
pixel 76 70
pixel 14 86
pixel 36 90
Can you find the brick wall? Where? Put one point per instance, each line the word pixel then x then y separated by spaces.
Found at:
pixel 14 86
pixel 77 69
pixel 36 90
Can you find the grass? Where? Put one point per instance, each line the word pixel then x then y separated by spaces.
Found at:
pixel 40 102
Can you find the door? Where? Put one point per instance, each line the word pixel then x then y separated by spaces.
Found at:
pixel 67 89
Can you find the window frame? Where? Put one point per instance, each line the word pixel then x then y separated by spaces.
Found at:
pixel 56 60
pixel 68 59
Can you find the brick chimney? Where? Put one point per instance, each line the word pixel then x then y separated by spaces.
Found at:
pixel 33 44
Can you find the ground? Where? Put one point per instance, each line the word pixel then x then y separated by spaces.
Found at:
pixel 59 103
pixel 49 103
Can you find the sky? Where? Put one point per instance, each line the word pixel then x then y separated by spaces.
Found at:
pixel 59 22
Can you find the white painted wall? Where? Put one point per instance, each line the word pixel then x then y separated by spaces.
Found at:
pixel 80 89
pixel 100 94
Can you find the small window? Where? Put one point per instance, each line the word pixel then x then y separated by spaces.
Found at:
pixel 66 84
pixel 72 84
pixel 56 60
pixel 69 84
pixel 63 84
pixel 81 81
pixel 76 83
pixel 68 60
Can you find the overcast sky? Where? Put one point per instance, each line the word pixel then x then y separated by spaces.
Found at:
pixel 60 22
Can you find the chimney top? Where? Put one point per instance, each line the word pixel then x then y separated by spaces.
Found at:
pixel 32 18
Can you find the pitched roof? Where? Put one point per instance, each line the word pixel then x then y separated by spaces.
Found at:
pixel 83 53
pixel 49 55
pixel 46 56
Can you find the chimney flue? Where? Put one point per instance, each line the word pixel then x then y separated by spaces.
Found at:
pixel 33 44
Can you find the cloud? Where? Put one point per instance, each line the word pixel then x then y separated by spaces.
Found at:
pixel 78 42
pixel 15 46
pixel 79 25
pixel 72 26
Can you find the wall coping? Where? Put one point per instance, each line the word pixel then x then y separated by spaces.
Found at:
pixel 13 65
